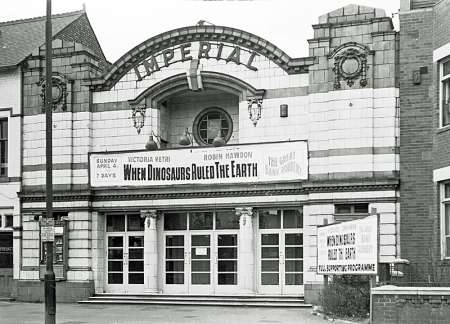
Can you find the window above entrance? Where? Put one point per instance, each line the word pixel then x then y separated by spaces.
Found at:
pixel 201 220
pixel 211 123
pixel 124 222
pixel 280 218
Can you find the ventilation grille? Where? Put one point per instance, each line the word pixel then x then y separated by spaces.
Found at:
pixel 419 4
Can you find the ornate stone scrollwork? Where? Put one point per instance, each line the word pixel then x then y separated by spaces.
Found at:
pixel 244 213
pixel 350 63
pixel 150 215
pixel 138 117
pixel 254 109
pixel 59 92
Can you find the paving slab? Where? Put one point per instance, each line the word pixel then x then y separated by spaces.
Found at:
pixel 29 313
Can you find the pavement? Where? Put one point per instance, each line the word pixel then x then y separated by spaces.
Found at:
pixel 30 313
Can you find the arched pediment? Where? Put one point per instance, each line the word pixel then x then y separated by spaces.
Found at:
pixel 161 42
pixel 211 80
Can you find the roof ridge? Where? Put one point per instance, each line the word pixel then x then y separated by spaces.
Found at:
pixel 26 20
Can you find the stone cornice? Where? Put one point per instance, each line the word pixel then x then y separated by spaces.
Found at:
pixel 207 191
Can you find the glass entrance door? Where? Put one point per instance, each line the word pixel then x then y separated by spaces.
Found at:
pixel 280 242
pixel 201 279
pixel 125 266
pixel 201 252
pixel 226 265
pixel 176 263
pixel 281 266
pixel 201 263
pixel 124 253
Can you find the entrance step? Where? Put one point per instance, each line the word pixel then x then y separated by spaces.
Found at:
pixel 200 300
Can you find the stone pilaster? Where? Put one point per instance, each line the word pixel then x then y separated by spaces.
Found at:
pixel 246 251
pixel 150 251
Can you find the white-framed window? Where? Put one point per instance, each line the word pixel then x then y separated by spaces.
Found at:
pixel 445 220
pixel 444 92
pixel 3 147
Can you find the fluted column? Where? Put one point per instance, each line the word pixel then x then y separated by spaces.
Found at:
pixel 150 251
pixel 246 251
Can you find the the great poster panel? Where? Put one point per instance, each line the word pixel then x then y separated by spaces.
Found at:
pixel 348 247
pixel 281 161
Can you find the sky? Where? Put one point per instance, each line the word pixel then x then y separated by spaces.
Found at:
pixel 120 25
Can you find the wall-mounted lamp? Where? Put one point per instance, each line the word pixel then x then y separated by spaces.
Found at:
pixel 283 110
pixel 151 144
pixel 138 116
pixel 186 139
pixel 254 109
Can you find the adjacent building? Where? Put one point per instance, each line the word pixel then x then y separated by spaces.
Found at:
pixel 21 80
pixel 424 124
pixel 203 160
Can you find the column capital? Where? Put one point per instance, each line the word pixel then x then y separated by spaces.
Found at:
pixel 244 211
pixel 153 213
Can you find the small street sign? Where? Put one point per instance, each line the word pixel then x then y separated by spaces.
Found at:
pixel 47 230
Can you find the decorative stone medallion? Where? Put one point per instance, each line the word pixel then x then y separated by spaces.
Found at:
pixel 349 65
pixel 59 92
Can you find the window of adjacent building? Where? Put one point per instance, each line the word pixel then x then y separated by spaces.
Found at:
pixel 6 250
pixel 3 147
pixel 6 240
pixel 445 219
pixel 445 92
pixel 6 221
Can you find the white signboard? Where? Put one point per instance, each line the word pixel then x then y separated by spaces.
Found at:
pixel 201 251
pixel 281 161
pixel 47 230
pixel 348 247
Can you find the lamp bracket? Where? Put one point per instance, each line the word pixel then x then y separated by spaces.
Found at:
pixel 138 117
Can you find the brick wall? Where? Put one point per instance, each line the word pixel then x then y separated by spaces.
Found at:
pixel 417 230
pixel 442 24
pixel 80 31
pixel 441 152
pixel 423 146
pixel 411 308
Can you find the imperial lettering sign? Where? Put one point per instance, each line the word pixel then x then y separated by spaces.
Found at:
pixel 282 161
pixel 190 51
pixel 349 247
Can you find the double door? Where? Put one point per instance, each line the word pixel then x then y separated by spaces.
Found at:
pixel 280 262
pixel 199 262
pixel 125 263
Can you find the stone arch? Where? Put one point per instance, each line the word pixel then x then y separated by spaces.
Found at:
pixel 211 80
pixel 199 33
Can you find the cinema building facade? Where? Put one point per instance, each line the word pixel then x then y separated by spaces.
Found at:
pixel 203 160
